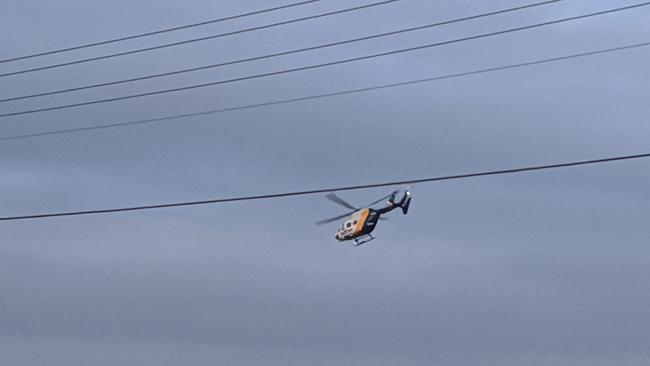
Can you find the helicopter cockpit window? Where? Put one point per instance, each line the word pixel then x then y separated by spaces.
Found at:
pixel 348 224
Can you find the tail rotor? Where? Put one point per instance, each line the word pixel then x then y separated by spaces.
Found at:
pixel 406 202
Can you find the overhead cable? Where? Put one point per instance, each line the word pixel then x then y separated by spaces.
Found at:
pixel 321 65
pixel 324 95
pixel 326 190
pixel 160 31
pixel 277 54
pixel 200 39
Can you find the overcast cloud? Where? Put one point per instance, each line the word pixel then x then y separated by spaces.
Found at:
pixel 543 268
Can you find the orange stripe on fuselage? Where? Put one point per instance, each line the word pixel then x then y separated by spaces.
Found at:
pixel 361 221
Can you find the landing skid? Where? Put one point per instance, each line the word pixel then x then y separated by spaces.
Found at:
pixel 363 239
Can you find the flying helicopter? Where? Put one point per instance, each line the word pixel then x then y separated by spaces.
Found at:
pixel 359 223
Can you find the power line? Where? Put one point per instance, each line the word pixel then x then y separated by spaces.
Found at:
pixel 166 30
pixel 325 95
pixel 321 65
pixel 200 39
pixel 284 53
pixel 326 190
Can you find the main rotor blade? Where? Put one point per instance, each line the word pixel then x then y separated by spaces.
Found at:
pixel 377 201
pixel 338 200
pixel 327 221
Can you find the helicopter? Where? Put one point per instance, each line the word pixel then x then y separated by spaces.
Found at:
pixel 360 223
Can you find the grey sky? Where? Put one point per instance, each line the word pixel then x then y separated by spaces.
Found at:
pixel 546 268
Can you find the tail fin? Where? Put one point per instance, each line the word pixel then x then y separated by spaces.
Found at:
pixel 405 202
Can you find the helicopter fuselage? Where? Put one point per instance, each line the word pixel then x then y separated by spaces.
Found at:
pixel 359 223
